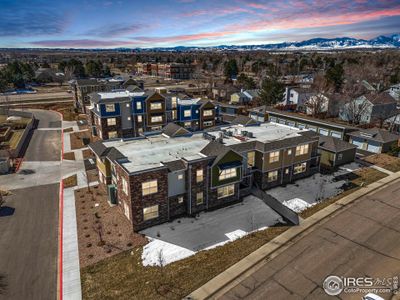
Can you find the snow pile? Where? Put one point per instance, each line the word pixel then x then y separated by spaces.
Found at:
pixel 297 204
pixel 234 235
pixel 158 252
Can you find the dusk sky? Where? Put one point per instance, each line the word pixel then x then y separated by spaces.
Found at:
pixel 154 23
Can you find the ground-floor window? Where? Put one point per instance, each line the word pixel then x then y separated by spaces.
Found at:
pixel 112 134
pixel 226 191
pixel 300 168
pixel 180 199
pixel 207 123
pixel 150 212
pixel 187 124
pixel 126 210
pixel 272 176
pixel 199 198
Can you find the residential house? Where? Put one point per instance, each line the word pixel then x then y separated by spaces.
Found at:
pixel 373 140
pixel 244 97
pixel 297 96
pixel 158 178
pixel 394 91
pixel 322 127
pixel 335 152
pixel 369 109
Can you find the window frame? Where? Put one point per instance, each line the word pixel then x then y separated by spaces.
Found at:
pixel 251 159
pixel 187 113
pixel 272 176
pixel 227 174
pixel 125 188
pixel 152 119
pixel 151 188
pixel 199 178
pixel 302 149
pixel 114 123
pixel 155 105
pixel 221 192
pixel 274 156
pixel 197 198
pixel 108 109
pixel 208 112
pixel 299 168
pixel 152 214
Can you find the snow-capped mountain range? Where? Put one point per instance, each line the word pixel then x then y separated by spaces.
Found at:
pixel 392 41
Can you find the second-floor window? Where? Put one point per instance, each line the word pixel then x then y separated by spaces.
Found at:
pixel 110 107
pixel 187 113
pixel 139 119
pixel 156 119
pixel 199 175
pixel 149 187
pixel 228 173
pixel 124 186
pixel 138 105
pixel 301 149
pixel 208 113
pixel 111 121
pixel 274 156
pixel 155 105
pixel 250 159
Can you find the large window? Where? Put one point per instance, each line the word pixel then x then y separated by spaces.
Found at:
pixel 199 198
pixel 251 159
pixel 125 186
pixel 139 105
pixel 272 176
pixel 150 212
pixel 111 121
pixel 300 168
pixel 112 134
pixel 274 156
pixel 155 105
pixel 207 113
pixel 228 173
pixel 156 119
pixel 187 113
pixel 110 107
pixel 199 175
pixel 226 191
pixel 301 149
pixel 149 187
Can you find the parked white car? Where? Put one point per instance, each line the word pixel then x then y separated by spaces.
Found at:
pixel 372 296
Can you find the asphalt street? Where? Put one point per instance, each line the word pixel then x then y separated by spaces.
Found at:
pixel 29 223
pixel 362 240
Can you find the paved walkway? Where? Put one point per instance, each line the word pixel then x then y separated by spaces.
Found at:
pixel 361 240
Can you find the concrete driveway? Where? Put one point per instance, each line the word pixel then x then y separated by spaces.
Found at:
pixel 216 227
pixel 315 188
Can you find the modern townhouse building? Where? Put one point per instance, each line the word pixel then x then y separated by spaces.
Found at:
pixel 82 88
pixel 160 177
pixel 125 114
pixel 170 70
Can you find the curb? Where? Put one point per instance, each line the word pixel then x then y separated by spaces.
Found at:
pixel 60 242
pixel 222 281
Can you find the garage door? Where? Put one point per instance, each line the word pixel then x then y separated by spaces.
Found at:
pixel 323 131
pixel 373 148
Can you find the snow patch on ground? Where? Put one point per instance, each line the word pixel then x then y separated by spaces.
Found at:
pixel 237 234
pixel 297 204
pixel 167 252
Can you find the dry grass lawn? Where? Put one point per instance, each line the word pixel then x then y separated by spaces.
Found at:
pixel 385 161
pixel 124 277
pixel 365 176
pixel 79 138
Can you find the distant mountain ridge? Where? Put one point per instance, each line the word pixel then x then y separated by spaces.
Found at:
pixel 391 41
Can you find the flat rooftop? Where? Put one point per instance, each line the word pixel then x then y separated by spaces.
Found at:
pixel 150 152
pixel 119 94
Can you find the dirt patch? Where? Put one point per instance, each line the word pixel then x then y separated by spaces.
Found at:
pixel 362 177
pixel 124 277
pixel 103 231
pixel 69 156
pixel 81 139
pixel 93 175
pixel 385 161
pixel 70 181
pixel 87 153
pixel 69 129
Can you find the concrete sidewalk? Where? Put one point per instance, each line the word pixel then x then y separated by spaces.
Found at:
pixel 233 275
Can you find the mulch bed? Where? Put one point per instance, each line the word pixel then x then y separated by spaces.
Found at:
pixel 69 155
pixel 95 218
pixel 87 153
pixel 70 181
pixel 93 175
pixel 78 139
pixel 69 129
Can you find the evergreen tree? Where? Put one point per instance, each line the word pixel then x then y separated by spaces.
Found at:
pixel 231 69
pixel 271 91
pixel 335 76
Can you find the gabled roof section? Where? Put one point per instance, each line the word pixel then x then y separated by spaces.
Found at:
pixel 381 98
pixel 217 150
pixel 173 130
pixel 333 144
pixel 375 134
pixel 98 148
